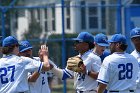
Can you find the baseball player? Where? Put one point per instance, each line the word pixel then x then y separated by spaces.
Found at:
pixel 84 81
pixel 135 38
pixel 38 82
pixel 104 54
pixel 14 69
pixel 101 42
pixel 119 70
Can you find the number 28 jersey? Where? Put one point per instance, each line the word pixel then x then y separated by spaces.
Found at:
pixel 119 72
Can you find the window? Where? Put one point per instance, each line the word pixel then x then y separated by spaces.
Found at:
pixel 92 16
pixel 46 26
pixel 136 2
pixel 46 14
pixel 16 20
pixel 49 16
pixel 67 10
pixel 103 11
pixel 83 15
pixel 38 14
pixel 32 15
pixel 46 19
pixel 93 22
pixel 53 18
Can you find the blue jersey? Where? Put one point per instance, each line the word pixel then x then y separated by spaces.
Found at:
pixel 105 54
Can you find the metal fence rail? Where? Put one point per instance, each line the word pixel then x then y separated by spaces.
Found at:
pixel 120 24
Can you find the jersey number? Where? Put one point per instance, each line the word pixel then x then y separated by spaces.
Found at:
pixel 81 76
pixel 126 71
pixel 3 74
pixel 43 80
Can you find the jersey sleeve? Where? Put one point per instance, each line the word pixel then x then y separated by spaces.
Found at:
pixel 94 63
pixel 33 65
pixel 103 76
pixel 67 74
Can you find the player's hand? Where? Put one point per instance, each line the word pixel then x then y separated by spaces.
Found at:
pixel 51 66
pixel 40 54
pixel 83 68
pixel 43 50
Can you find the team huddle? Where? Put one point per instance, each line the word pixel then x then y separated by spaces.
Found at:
pixel 94 69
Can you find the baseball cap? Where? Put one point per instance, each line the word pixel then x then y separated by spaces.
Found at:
pixel 101 39
pixel 9 41
pixel 24 45
pixel 135 32
pixel 118 38
pixel 84 37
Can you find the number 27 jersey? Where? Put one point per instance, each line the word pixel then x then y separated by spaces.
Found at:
pixel 119 72
pixel 14 71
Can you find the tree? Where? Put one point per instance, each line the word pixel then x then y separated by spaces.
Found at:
pixel 6 13
pixel 34 32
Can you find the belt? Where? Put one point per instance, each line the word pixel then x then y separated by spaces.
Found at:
pixel 118 91
pixel 78 91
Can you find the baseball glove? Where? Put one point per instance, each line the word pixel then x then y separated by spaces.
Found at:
pixel 74 64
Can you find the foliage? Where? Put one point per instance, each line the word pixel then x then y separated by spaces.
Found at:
pixel 34 32
pixel 54 36
pixel 55 50
pixel 6 2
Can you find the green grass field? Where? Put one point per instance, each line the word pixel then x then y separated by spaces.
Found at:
pixel 58 88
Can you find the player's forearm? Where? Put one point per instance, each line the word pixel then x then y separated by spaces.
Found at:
pixel 101 88
pixel 46 65
pixel 58 72
pixel 93 74
pixel 33 77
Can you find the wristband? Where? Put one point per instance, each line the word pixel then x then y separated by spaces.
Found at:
pixel 88 72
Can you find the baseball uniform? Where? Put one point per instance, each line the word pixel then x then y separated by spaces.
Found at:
pixel 137 56
pixel 83 82
pixel 135 38
pixel 41 84
pixel 14 71
pixel 119 72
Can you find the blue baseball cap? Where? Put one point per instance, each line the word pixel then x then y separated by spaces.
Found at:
pixel 135 32
pixel 84 37
pixel 24 45
pixel 118 38
pixel 9 41
pixel 101 40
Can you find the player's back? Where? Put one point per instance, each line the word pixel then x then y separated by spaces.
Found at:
pixel 123 71
pixel 13 74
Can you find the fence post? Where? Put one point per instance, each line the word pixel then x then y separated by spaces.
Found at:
pixel 128 28
pixel 3 12
pixel 63 43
